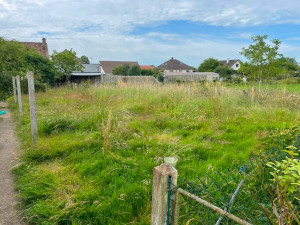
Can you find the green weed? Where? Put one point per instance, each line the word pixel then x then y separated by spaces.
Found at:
pixel 66 178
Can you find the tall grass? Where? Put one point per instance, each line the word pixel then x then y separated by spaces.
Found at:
pixel 67 179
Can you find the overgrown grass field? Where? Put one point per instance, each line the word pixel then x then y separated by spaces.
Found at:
pixel 98 146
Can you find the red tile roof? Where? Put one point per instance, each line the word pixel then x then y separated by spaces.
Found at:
pixel 39 47
pixel 147 67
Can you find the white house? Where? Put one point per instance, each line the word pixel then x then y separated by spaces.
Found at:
pixel 233 63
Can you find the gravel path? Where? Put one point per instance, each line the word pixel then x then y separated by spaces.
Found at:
pixel 9 148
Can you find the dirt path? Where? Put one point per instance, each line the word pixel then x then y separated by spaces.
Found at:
pixel 8 156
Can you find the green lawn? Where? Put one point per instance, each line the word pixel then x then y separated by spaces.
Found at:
pixel 98 146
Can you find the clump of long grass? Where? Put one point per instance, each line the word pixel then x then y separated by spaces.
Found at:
pixel 135 126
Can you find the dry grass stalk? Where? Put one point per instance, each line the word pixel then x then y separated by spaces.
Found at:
pixel 105 132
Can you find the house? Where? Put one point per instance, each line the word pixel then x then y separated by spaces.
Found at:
pixel 90 72
pixel 39 47
pixel 176 71
pixel 107 67
pixel 146 67
pixel 174 65
pixel 233 64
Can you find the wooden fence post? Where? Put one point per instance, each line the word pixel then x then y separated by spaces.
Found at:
pixel 252 94
pixel 14 88
pixel 32 105
pixel 159 211
pixel 19 95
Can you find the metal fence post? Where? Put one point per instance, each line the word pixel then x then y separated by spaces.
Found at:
pixel 32 105
pixel 14 88
pixel 161 176
pixel 19 95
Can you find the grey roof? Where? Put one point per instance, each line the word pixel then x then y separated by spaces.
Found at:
pixel 174 64
pixel 108 66
pixel 86 74
pixel 88 70
pixel 229 63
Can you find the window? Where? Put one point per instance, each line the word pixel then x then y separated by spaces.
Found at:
pixel 236 65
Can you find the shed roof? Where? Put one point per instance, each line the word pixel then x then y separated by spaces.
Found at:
pixel 108 66
pixel 174 64
pixel 88 70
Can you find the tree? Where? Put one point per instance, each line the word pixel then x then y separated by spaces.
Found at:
pixel 208 65
pixel 117 70
pixel 262 56
pixel 224 71
pixel 17 59
pixel 84 59
pixel 134 71
pixel 66 62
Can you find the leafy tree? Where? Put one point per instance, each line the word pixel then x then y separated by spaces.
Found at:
pixel 84 59
pixel 261 55
pixel 134 71
pixel 125 69
pixel 17 59
pixel 66 62
pixel 117 70
pixel 245 69
pixel 208 65
pixel 224 71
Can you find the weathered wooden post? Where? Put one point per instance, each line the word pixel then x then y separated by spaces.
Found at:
pixel 252 94
pixel 164 178
pixel 19 95
pixel 32 105
pixel 14 88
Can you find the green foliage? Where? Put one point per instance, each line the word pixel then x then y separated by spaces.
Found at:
pixel 126 70
pixel 134 71
pixel 224 71
pixel 84 59
pixel 270 191
pixel 209 65
pixel 118 70
pixel 17 59
pixel 67 179
pixel 262 56
pixel 66 62
pixel 285 172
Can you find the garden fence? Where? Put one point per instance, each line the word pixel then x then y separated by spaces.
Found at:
pixel 236 196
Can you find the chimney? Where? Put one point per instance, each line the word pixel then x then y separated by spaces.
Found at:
pixel 44 40
pixel 227 61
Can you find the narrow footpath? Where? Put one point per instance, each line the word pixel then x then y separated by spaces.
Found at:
pixel 9 147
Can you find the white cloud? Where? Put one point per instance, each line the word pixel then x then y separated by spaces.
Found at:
pixel 101 28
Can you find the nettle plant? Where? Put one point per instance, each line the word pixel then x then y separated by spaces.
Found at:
pixel 285 173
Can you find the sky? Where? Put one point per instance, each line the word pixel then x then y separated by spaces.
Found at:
pixel 153 31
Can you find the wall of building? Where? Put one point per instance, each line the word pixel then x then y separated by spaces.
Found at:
pixel 235 67
pixel 115 79
pixel 189 78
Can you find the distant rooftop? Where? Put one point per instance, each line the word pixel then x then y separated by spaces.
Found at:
pixel 229 62
pixel 174 64
pixel 147 67
pixel 108 66
pixel 39 47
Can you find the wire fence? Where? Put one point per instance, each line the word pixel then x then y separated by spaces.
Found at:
pixel 245 191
